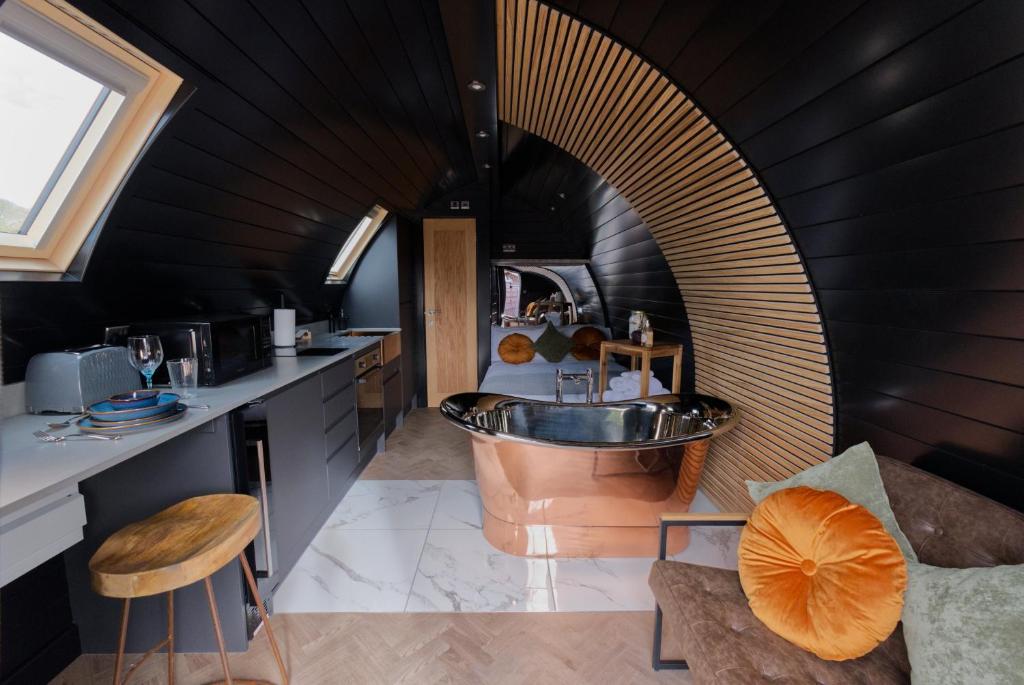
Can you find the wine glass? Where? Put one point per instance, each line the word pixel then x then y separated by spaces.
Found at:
pixel 145 353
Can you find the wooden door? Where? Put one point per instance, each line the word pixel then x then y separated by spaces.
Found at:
pixel 449 284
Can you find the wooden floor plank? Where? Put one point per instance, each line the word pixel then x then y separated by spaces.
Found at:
pixel 423 649
pixel 426 447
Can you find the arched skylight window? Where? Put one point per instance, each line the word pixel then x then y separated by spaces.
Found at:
pixel 358 241
pixel 77 104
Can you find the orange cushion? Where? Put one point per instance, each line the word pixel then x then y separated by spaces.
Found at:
pixel 586 343
pixel 822 572
pixel 515 349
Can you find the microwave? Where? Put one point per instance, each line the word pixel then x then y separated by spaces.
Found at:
pixel 227 347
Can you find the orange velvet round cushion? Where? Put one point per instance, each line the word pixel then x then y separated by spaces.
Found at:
pixel 515 349
pixel 586 343
pixel 822 572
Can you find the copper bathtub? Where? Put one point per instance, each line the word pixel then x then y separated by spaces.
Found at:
pixel 575 480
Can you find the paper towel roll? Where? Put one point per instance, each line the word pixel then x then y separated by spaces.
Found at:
pixel 284 328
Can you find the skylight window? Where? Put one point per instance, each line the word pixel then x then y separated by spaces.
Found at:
pixel 76 106
pixel 53 117
pixel 356 243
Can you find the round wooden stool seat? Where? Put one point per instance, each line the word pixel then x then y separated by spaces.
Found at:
pixel 180 545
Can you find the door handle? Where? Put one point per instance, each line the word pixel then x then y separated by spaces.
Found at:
pixel 264 504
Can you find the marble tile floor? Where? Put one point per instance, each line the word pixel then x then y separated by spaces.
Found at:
pixel 418 546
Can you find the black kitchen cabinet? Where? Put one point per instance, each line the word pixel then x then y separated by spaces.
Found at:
pixel 199 462
pixel 341 442
pixel 392 401
pixel 295 432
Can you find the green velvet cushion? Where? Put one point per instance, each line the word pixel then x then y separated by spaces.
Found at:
pixel 964 625
pixel 552 345
pixel 854 475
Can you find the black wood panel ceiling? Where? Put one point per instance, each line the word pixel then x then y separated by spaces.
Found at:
pixel 553 205
pixel 305 114
pixel 890 136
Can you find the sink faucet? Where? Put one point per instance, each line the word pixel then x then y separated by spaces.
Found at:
pixel 562 376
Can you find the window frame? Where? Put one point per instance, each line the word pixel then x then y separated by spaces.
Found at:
pixel 92 174
pixel 355 245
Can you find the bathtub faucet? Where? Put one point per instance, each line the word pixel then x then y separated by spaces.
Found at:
pixel 576 378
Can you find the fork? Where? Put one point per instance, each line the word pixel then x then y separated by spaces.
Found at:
pixel 60 425
pixel 49 437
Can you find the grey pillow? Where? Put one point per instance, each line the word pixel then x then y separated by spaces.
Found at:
pixel 552 345
pixel 854 475
pixel 965 625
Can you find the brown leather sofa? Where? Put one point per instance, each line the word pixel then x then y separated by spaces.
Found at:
pixel 725 644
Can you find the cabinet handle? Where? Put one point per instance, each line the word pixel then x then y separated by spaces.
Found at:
pixel 264 502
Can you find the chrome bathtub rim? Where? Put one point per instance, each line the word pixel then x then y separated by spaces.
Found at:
pixel 450 410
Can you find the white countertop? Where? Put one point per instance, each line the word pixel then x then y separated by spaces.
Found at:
pixel 31 469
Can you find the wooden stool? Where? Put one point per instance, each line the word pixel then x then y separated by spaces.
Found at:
pixel 174 548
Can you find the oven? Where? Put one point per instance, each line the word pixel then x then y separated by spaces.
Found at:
pixel 369 372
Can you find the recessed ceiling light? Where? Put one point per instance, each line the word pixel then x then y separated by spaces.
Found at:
pixel 487 165
pixel 482 134
pixel 552 208
pixel 561 195
pixel 477 86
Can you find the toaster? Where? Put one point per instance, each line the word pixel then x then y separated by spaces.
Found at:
pixel 71 380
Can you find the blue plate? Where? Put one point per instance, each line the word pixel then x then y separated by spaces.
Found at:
pixel 87 425
pixel 105 411
pixel 135 399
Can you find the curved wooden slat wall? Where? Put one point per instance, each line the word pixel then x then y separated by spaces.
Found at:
pixel 757 334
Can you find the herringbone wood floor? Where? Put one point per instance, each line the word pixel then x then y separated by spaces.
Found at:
pixel 427 447
pixel 424 649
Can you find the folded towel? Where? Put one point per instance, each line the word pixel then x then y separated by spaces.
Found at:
pixel 632 393
pixel 620 382
pixel 635 374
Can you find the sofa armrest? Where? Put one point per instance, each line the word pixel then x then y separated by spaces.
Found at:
pixel 696 518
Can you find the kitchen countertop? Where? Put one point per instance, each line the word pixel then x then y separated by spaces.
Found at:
pixel 31 469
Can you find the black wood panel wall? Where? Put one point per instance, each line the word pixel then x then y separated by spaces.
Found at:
pixel 305 114
pixel 890 135
pixel 580 216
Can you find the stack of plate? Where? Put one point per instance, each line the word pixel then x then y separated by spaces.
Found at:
pixel 119 415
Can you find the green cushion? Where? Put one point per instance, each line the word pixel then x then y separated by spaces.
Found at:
pixel 854 475
pixel 552 345
pixel 965 625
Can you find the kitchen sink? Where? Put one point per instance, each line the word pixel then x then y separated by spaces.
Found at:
pixel 366 333
pixel 319 351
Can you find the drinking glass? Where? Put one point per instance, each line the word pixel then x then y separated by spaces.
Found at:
pixel 184 374
pixel 145 354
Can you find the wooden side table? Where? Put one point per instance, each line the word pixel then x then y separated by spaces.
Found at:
pixel 644 355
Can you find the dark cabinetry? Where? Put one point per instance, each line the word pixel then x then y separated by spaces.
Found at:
pixel 392 394
pixel 199 462
pixel 372 301
pixel 341 447
pixel 295 432
pixel 311 429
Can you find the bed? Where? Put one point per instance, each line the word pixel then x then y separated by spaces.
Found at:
pixel 535 380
